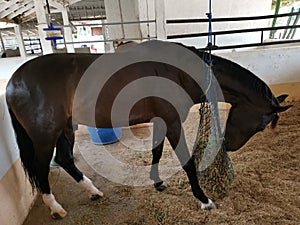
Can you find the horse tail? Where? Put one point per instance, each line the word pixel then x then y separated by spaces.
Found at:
pixel 27 152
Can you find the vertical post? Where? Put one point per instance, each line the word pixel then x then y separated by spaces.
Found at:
pixel 160 20
pixel 108 45
pixel 2 42
pixel 117 12
pixel 42 23
pixel 20 41
pixel 67 31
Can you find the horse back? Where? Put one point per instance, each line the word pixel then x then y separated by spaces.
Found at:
pixel 42 89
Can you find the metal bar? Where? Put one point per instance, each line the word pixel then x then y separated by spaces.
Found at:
pixel 230 32
pixel 254 44
pixel 97 17
pixel 2 42
pixel 122 21
pixel 126 39
pixel 229 19
pixel 215 40
pixel 115 23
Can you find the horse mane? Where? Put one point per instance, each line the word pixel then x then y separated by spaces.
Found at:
pixel 245 77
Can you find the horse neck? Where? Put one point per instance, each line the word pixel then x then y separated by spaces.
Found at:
pixel 242 82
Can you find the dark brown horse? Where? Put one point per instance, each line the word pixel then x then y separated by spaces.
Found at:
pixel 42 93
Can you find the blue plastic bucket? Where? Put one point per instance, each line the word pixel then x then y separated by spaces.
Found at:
pixel 102 136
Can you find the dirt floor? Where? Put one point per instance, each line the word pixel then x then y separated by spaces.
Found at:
pixel 266 188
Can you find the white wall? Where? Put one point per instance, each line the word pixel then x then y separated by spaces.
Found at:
pixel 273 64
pixel 116 11
pixel 220 8
pixel 15 190
pixel 9 65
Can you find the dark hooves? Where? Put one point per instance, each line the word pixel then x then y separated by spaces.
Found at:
pixel 56 216
pixel 95 197
pixel 161 186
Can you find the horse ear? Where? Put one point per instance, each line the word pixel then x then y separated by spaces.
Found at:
pixel 281 98
pixel 282 108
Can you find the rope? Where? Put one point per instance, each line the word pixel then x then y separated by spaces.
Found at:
pixel 209 15
pixel 148 25
pixel 210 45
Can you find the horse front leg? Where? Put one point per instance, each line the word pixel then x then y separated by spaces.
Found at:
pixel 176 137
pixel 159 184
pixel 157 149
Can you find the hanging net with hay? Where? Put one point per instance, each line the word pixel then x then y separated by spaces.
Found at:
pixel 214 168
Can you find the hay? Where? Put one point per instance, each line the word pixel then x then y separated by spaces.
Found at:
pixel 215 178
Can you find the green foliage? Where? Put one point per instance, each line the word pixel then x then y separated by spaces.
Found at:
pixel 284 3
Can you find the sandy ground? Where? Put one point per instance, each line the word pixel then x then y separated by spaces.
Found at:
pixel 266 188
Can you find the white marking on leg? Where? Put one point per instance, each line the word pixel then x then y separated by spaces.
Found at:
pixel 88 185
pixel 208 206
pixel 55 207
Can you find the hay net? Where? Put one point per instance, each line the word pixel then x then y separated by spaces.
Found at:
pixel 214 168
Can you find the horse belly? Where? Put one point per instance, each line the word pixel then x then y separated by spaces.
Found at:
pixel 122 115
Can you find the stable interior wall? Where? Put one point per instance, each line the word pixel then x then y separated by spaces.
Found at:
pixel 9 65
pixel 277 65
pixel 15 190
pixel 231 8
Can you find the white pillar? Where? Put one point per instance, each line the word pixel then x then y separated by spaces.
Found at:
pixel 20 41
pixel 42 23
pixel 67 31
pixel 122 11
pixel 146 12
pixel 1 42
pixel 108 46
pixel 160 20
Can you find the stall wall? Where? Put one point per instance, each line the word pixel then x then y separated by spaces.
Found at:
pixel 277 65
pixel 9 65
pixel 15 191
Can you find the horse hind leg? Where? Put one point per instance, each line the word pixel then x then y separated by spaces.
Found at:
pixel 64 157
pixel 42 161
pixel 36 156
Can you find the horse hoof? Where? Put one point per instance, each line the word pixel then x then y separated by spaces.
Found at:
pixel 95 197
pixel 58 215
pixel 208 206
pixel 161 186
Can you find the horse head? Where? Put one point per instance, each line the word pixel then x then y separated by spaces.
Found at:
pixel 245 121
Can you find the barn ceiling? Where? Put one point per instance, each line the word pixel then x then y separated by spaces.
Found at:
pixel 21 11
